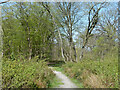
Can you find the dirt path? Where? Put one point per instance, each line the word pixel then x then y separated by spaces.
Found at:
pixel 65 80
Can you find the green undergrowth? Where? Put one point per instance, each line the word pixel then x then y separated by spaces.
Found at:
pixel 58 69
pixel 32 73
pixel 95 74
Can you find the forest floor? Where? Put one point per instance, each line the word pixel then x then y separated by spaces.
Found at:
pixel 67 83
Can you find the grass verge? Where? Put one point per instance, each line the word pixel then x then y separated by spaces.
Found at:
pixel 55 83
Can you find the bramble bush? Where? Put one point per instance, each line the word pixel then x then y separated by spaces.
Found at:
pixel 25 74
pixel 94 73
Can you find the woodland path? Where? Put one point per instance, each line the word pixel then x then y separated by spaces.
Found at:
pixel 65 80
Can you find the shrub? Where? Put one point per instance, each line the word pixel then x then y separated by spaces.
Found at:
pixel 104 71
pixel 25 74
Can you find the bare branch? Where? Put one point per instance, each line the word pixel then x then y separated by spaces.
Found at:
pixel 4 2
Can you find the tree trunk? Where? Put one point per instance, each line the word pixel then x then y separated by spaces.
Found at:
pixel 81 54
pixel 83 48
pixel 75 54
pixel 61 45
pixel 71 53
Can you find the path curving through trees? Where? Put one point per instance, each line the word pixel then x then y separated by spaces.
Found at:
pixel 65 80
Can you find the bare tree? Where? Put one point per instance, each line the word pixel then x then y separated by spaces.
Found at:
pixel 92 22
pixel 69 18
pixel 46 6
